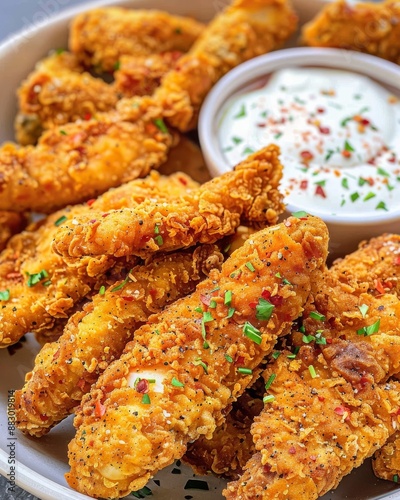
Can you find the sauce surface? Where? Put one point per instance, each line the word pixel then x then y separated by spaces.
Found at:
pixel 339 134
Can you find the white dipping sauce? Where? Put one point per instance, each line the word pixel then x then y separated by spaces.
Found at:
pixel 339 134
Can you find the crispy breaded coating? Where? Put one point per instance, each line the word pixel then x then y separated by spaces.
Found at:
pixel 58 92
pixel 41 285
pixel 231 445
pixel 101 36
pixel 320 420
pixel 97 335
pixel 82 160
pixel 245 29
pixel 141 75
pixel 374 267
pixel 10 223
pixel 250 192
pixel 133 427
pixel 386 461
pixel 368 27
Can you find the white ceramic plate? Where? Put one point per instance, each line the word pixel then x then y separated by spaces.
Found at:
pixel 41 464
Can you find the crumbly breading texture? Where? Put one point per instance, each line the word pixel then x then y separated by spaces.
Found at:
pixel 58 92
pixel 245 29
pixel 318 428
pixel 35 307
pixel 82 160
pixel 185 350
pixel 97 335
pixel 101 36
pixel 250 192
pixel 373 28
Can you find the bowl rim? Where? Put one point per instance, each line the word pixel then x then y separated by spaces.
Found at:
pixel 374 67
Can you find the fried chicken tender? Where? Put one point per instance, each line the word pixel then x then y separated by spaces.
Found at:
pixel 82 160
pixel 187 351
pixel 250 192
pixel 101 36
pixel 41 285
pixel 386 461
pixel 141 75
pixel 10 223
pixel 231 445
pixel 365 27
pixel 326 412
pixel 58 92
pixel 374 267
pixel 245 29
pixel 97 335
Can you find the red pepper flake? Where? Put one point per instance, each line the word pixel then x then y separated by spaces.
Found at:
pixel 325 130
pixel 205 299
pixel 346 154
pixel 266 294
pixel 267 468
pixel 183 181
pixel 128 298
pixel 253 305
pixel 307 156
pixel 87 116
pixel 153 292
pixel 321 398
pixel 105 215
pixel 292 450
pixel 261 125
pixel 44 418
pixel 342 410
pixel 239 361
pixel 396 260
pixel 142 387
pixel 319 191
pixel 92 221
pixel 304 184
pixel 99 409
pixel 321 110
pixel 89 203
pixel 329 341
pixel 379 286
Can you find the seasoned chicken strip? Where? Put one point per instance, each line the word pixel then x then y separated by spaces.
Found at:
pixel 58 92
pixel 249 192
pixel 101 36
pixel 41 286
pixel 97 335
pixel 365 27
pixel 201 357
pixel 10 223
pixel 82 160
pixel 323 416
pixel 245 29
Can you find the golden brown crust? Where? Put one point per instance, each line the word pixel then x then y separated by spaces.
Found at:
pixel 146 437
pixel 250 192
pixel 245 29
pixel 10 223
pixel 101 36
pixel 97 335
pixel 365 27
pixel 36 307
pixel 316 429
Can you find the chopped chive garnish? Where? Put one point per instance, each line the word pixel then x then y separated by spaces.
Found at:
pixel 47 283
pixel 248 151
pixel 146 399
pixel 363 310
pixel 117 65
pixel 5 294
pixel 159 240
pixel 354 196
pixel 345 183
pixel 245 371
pixel 199 310
pixel 348 146
pixel 196 484
pixel 102 290
pixel 228 358
pixel 142 493
pixel 63 132
pixel 151 380
pixel 59 221
pixel 207 317
pixel 381 206
pixel 276 354
pixel 231 312
pixel 159 123
pixel 368 196
pixel 228 298
pixel 300 214
pixel 302 329
pixel 175 382
pixel 294 354
pixel 242 112
pixel 34 279
pixel 370 330
pixel 329 155
pixel 269 381
pixel 264 309
pixel 212 304
pixel 316 315
pixel 200 362
pixel 312 371
pixel 122 284
pixel 237 140
pixel 396 478
pixel 250 267
pixel 252 333
pixel 157 229
pixel 268 399
pixel 308 338
pixel 383 172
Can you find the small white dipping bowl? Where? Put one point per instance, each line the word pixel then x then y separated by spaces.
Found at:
pixel 345 232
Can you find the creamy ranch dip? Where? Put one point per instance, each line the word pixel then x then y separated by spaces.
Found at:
pixel 339 134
